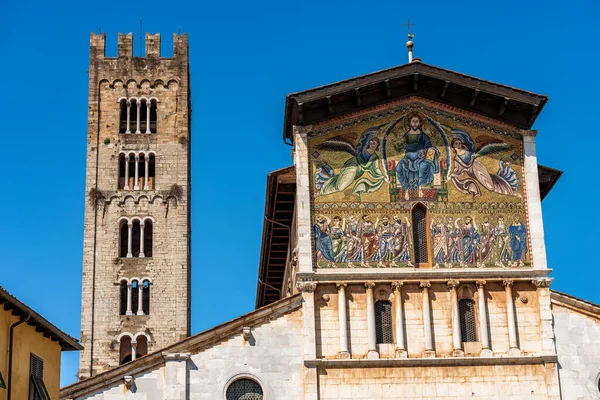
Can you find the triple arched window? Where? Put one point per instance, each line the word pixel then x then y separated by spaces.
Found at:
pixel 132 346
pixel 137 115
pixel 137 171
pixel 135 237
pixel 134 296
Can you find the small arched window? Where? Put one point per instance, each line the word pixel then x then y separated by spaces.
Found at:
pixel 135 297
pixel 468 329
pixel 123 239
pixel 125 350
pixel 146 298
pixel 141 348
pixel 147 239
pixel 123 295
pixel 244 389
pixel 420 235
pixel 123 116
pixel 383 322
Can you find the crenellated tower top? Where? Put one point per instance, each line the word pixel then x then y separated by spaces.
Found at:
pixel 125 47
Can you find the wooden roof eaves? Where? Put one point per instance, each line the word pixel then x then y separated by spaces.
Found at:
pixel 293 100
pixel 195 343
pixel 41 324
pixel 554 173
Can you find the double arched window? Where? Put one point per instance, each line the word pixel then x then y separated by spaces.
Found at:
pixel 135 296
pixel 132 346
pixel 136 237
pixel 137 170
pixel 137 115
pixel 244 389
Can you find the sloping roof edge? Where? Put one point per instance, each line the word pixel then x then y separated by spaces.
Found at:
pixel 41 324
pixel 586 307
pixel 201 340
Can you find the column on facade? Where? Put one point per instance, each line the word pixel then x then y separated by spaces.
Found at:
pixel 129 239
pixel 483 320
pixel 148 105
pixel 128 116
pixel 543 295
pixel 146 167
pixel 510 317
pixel 456 334
pixel 139 109
pixel 142 225
pixel 126 187
pixel 399 322
pixel 136 185
pixel 310 377
pixel 429 351
pixel 129 312
pixel 133 349
pixel 176 377
pixel 140 287
pixel 371 321
pixel 304 225
pixel 343 322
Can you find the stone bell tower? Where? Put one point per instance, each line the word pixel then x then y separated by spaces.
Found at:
pixel 136 259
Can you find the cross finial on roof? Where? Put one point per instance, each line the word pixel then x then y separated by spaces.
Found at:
pixel 409 44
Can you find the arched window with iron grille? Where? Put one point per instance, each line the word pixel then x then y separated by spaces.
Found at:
pixel 383 322
pixel 244 389
pixel 420 235
pixel 468 328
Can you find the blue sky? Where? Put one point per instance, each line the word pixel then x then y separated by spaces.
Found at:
pixel 245 57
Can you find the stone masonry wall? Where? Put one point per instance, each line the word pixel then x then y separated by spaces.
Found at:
pixel 168 268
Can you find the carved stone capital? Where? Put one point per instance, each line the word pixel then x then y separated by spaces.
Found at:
pixel 369 285
pixel 306 286
pixel 541 283
pixel 452 284
pixel 341 285
pixel 480 283
pixel 302 129
pixel 507 282
pixel 424 284
pixel 397 285
pixel 528 132
pixel 175 356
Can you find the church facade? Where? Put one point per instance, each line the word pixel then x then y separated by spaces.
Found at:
pixel 403 257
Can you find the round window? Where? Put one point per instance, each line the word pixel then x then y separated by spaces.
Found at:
pixel 244 389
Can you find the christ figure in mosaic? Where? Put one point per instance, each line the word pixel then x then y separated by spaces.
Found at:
pixel 440 242
pixel 364 161
pixel 518 241
pixel 415 169
pixel 323 243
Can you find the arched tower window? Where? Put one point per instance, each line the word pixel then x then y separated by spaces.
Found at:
pixel 383 322
pixel 146 297
pixel 148 239
pixel 137 115
pixel 123 297
pixel 141 348
pixel 123 239
pixel 244 389
pixel 133 112
pixel 140 178
pixel 421 235
pixel 125 350
pixel 135 238
pixel 135 297
pixel 468 328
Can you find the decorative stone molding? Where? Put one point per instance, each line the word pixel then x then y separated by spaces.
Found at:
pixel 541 283
pixel 302 130
pixel 424 284
pixel 128 381
pixel 175 356
pixel 452 284
pixel 480 283
pixel 369 285
pixel 527 132
pixel 341 284
pixel 397 285
pixel 306 286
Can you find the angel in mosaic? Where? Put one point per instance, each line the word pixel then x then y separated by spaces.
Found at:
pixel 468 171
pixel 502 250
pixel 323 244
pixel 364 160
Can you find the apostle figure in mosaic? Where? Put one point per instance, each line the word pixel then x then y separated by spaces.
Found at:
pixel 440 242
pixel 323 243
pixel 354 251
pixel 518 241
pixel 468 171
pixel 401 240
pixel 502 251
pixel 364 160
pixel 455 242
pixel 470 241
pixel 338 239
pixel 486 241
pixel 385 234
pixel 415 169
pixel 368 232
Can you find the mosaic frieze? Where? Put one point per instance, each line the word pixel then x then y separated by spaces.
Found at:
pixel 368 173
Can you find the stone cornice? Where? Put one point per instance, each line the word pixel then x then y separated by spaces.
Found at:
pixel 430 362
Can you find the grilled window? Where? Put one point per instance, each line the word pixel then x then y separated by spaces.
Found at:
pixel 383 322
pixel 419 217
pixel 466 309
pixel 244 389
pixel 37 388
